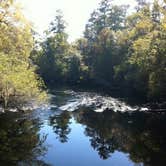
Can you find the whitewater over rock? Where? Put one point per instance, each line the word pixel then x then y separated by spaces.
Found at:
pixel 97 102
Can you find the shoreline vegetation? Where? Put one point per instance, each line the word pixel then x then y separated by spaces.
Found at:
pixel 119 52
pixel 19 83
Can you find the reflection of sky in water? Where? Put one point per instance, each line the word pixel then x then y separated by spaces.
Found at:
pixel 82 137
pixel 77 151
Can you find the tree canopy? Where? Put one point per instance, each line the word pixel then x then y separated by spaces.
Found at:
pixel 18 81
pixel 118 51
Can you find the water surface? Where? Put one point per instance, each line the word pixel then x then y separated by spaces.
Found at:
pixel 65 133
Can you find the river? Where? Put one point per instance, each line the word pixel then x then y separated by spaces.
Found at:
pixel 83 129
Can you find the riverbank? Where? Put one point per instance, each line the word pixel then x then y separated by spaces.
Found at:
pixel 96 99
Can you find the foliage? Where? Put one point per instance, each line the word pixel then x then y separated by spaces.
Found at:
pixel 131 57
pixel 118 50
pixel 18 81
pixel 57 60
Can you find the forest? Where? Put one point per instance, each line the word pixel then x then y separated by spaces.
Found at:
pixel 120 50
pixel 99 100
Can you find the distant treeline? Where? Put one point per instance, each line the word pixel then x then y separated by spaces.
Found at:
pixel 119 50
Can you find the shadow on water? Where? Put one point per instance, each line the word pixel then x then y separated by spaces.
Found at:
pixel 140 135
pixel 60 124
pixel 20 142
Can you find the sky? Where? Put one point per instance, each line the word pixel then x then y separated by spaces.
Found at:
pixel 76 13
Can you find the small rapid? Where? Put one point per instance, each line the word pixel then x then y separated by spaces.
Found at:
pixel 97 102
pixel 69 100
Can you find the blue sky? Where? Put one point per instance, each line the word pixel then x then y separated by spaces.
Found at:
pixel 76 13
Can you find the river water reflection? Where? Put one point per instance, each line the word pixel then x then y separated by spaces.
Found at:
pixel 83 137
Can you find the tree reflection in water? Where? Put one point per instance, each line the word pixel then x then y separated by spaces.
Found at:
pixel 20 143
pixel 140 135
pixel 60 124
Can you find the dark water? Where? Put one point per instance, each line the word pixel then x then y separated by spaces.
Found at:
pixel 83 137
